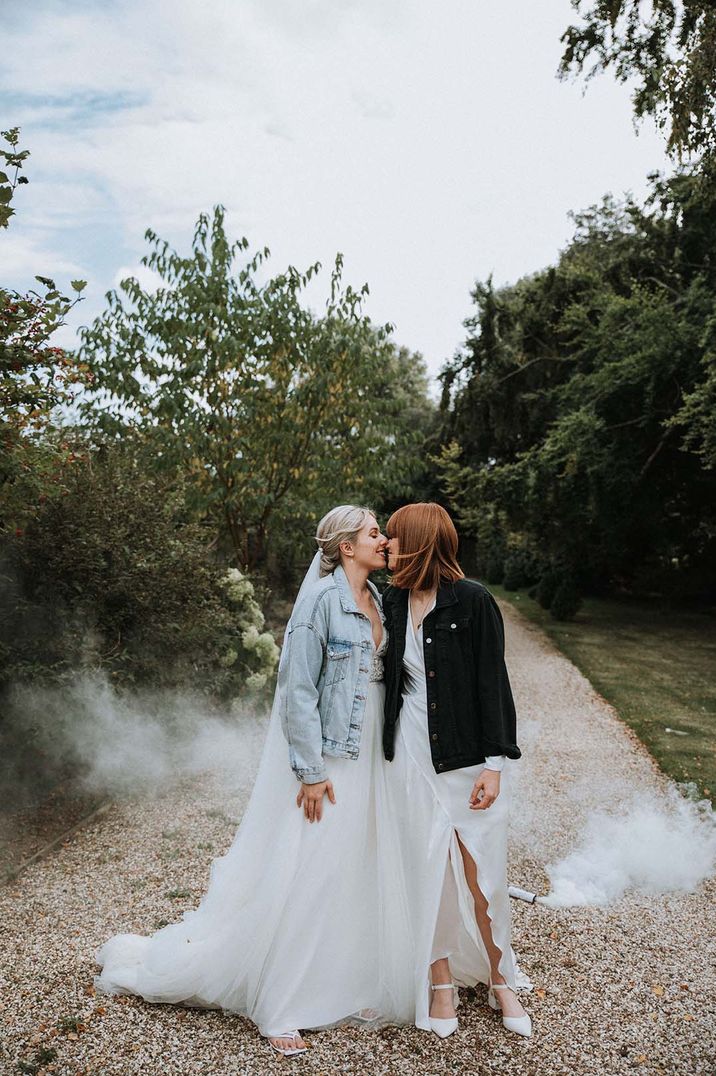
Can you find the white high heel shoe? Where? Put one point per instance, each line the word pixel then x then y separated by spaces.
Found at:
pixel 440 1025
pixel 521 1025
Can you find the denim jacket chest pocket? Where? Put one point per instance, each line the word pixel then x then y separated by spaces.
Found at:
pixel 452 621
pixel 338 654
pixel 451 629
pixel 453 635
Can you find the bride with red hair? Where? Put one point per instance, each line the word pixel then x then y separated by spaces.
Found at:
pixel 450 733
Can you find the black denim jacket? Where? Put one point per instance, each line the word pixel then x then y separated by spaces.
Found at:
pixel 471 712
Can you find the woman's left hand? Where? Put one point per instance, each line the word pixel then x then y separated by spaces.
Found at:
pixel 488 783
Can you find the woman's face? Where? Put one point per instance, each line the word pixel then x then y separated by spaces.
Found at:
pixel 369 546
pixel 392 549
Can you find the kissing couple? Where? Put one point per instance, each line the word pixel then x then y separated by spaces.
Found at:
pixel 367 879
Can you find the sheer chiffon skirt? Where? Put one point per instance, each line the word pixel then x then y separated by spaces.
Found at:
pixel 302 925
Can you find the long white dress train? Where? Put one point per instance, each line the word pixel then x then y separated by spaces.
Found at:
pixel 303 925
pixel 432 810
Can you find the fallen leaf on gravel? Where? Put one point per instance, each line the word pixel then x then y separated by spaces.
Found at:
pixel 657 989
pixel 553 934
pixel 541 993
pixel 641 1059
pixel 684 986
pixel 688 1016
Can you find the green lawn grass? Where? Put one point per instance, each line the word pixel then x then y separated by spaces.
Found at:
pixel 655 665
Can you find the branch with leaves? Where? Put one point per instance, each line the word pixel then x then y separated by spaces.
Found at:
pixel 35 376
pixel 668 48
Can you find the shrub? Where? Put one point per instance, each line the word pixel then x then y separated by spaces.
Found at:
pixel 519 569
pixel 494 569
pixel 566 600
pixel 109 573
pixel 547 587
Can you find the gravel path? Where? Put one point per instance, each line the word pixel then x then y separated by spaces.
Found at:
pixel 623 988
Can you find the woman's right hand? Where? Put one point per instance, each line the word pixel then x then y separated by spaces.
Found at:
pixel 310 798
pixel 485 790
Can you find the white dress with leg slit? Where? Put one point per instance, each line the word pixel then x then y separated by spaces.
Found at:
pixel 433 809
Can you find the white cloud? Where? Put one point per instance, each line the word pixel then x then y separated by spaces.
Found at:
pixel 28 258
pixel 429 145
pixel 146 277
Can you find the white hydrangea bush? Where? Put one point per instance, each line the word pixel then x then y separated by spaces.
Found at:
pixel 251 653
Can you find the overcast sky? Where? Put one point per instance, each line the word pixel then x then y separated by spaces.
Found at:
pixel 431 144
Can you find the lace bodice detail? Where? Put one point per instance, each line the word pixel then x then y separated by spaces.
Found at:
pixel 376 667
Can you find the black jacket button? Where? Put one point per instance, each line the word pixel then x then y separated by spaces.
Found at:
pixel 434 736
pixel 431 673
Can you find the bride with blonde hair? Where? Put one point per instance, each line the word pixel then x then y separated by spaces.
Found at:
pixel 304 922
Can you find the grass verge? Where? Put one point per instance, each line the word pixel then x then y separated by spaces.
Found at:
pixel 655 665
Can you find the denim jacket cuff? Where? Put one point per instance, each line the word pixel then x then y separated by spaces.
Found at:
pixel 311 777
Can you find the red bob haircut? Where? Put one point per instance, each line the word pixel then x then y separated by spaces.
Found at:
pixel 427 554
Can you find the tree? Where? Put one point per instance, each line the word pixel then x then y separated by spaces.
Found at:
pixel 240 386
pixel 578 417
pixel 668 47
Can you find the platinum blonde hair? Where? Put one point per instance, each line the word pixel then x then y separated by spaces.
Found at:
pixel 341 524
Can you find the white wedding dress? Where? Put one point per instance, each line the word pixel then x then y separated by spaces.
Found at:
pixel 303 925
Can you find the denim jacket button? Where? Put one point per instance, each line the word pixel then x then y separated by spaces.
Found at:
pixel 434 736
pixel 453 625
pixel 428 640
pixel 431 673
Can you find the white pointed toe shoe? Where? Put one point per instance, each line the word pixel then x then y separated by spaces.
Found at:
pixel 443 1026
pixel 521 1025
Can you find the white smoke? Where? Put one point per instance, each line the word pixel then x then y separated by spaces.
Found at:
pixel 655 845
pixel 129 743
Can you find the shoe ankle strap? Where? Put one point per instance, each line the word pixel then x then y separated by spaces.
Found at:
pixel 443 986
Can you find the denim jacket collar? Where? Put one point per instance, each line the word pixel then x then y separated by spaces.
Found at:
pixel 446 595
pixel 348 602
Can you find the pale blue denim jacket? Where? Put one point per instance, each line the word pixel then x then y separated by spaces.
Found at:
pixel 324 675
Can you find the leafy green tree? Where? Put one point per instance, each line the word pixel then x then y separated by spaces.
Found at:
pixel 239 386
pixel 576 420
pixel 667 47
